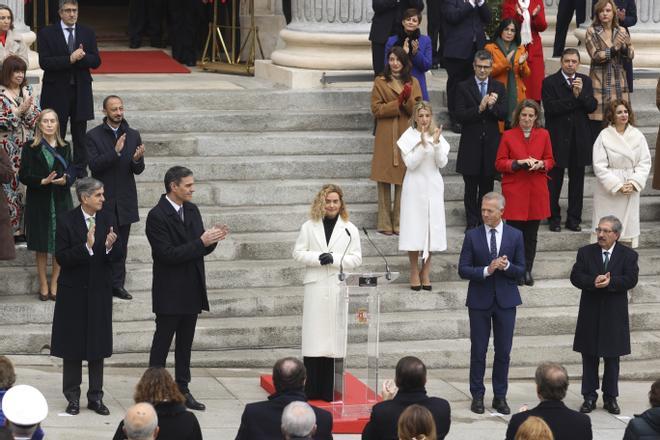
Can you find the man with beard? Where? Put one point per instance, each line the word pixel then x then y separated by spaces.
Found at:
pixel 116 154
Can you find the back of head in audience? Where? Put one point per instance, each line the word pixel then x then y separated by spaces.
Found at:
pixel 24 408
pixel 141 422
pixel 410 373
pixel 289 374
pixel 157 385
pixel 5 434
pixel 298 421
pixel 416 423
pixel 534 428
pixel 551 381
pixel 7 374
pixel 654 394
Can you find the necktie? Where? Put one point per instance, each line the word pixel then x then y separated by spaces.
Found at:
pixel 180 212
pixel 70 41
pixel 570 81
pixel 493 244
pixel 90 222
pixel 606 261
pixel 482 88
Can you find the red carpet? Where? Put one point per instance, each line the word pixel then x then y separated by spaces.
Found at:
pixel 138 61
pixel 350 415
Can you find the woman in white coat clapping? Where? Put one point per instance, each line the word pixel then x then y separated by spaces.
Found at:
pixel 322 241
pixel 424 151
pixel 622 163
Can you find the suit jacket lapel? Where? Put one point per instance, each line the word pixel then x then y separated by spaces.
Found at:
pixel 79 223
pixel 173 216
pixel 337 232
pixel 615 257
pixel 481 229
pixel 319 234
pixel 476 93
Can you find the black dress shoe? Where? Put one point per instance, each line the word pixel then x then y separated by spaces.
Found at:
pixel 501 406
pixel 73 408
pixel 587 406
pixel 575 228
pixel 521 281
pixel 98 407
pixel 134 44
pixel 121 293
pixel 477 405
pixel 192 403
pixel 427 287
pixel 416 288
pixel 611 406
pixel 529 281
pixel 554 227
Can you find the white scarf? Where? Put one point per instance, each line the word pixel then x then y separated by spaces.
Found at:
pixel 526 27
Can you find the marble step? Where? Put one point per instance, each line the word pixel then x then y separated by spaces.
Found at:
pixel 251 303
pixel 282 273
pixel 275 245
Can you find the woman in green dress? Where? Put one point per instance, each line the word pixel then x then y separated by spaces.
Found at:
pixel 44 171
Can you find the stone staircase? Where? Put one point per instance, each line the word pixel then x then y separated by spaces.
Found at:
pixel 259 156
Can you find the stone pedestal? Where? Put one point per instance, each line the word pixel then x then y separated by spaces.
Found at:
pixel 17 7
pixel 328 35
pixel 645 34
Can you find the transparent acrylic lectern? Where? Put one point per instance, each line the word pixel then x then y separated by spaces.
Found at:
pixel 357 327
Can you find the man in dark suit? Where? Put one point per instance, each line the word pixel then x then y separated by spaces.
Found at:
pixel 568 98
pixel 410 379
pixel 435 31
pixel 564 15
pixel 551 386
pixel 492 258
pixel 480 105
pixel 116 154
pixel 386 22
pixel 145 17
pixel 82 321
pixel 604 271
pixel 178 245
pixel 464 23
pixel 67 50
pixel 262 420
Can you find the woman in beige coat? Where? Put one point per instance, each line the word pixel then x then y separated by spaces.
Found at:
pixel 10 43
pixel 392 99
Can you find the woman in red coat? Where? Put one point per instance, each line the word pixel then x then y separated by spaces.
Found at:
pixel 530 15
pixel 524 158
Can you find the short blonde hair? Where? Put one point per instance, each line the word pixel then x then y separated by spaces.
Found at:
pixel 317 210
pixel 534 428
pixel 38 135
pixel 419 106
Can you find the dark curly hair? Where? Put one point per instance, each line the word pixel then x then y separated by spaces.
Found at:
pixel 404 59
pixel 156 386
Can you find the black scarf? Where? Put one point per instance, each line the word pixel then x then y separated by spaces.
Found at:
pixel 401 38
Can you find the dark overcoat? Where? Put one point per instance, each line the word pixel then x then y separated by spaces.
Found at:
pixel 387 17
pixel 603 327
pixel 174 423
pixel 82 322
pixel 564 423
pixel 179 280
pixel 656 165
pixel 116 171
pixel 385 415
pixel 58 70
pixel 480 135
pixel 37 207
pixel 567 116
pixel 464 28
pixel 7 249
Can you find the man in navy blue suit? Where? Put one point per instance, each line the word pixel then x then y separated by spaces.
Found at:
pixel 492 258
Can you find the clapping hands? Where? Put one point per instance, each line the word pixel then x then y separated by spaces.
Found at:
pixel 602 281
pixel 214 235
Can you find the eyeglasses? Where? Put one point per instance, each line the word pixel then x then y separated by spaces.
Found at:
pixel 482 67
pixel 70 10
pixel 604 231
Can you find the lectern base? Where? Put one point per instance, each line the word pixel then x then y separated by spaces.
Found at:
pixel 350 414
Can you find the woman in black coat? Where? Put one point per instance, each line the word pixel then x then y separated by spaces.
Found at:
pixel 174 422
pixel 45 172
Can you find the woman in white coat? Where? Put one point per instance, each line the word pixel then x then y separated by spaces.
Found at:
pixel 322 241
pixel 622 163
pixel 424 151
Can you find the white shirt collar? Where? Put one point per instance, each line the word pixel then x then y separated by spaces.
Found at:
pixel 566 76
pixel 174 205
pixel 602 251
pixel 499 228
pixel 66 27
pixel 86 216
pixel 479 81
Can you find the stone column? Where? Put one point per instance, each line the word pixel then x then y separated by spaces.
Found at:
pixel 645 34
pixel 17 7
pixel 323 35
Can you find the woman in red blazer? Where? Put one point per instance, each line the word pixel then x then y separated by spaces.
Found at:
pixel 524 158
pixel 530 12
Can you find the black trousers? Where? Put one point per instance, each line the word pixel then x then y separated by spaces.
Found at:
pixel 184 328
pixel 183 17
pixel 434 29
pixel 145 17
pixel 475 189
pixel 378 57
pixel 72 378
pixel 590 377
pixel 530 230
pixel 457 70
pixel 575 194
pixel 78 133
pixel 320 378
pixel 565 11
pixel 119 267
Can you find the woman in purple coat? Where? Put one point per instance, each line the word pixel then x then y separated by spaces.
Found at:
pixel 417 46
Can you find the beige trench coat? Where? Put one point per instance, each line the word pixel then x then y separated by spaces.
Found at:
pixel 391 121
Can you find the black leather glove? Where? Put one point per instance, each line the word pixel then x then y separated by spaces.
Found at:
pixel 325 258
